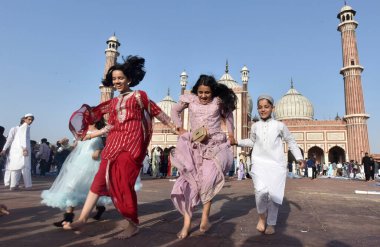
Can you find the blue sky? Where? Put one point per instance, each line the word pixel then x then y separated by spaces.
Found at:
pixel 52 52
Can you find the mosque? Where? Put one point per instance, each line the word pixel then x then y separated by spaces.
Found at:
pixel 338 140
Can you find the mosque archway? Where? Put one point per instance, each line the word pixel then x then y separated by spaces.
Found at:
pixel 337 155
pixel 317 153
pixel 291 158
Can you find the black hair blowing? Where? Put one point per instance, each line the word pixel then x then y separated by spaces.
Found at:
pixel 227 95
pixel 133 68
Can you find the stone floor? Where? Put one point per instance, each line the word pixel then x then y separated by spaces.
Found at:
pixel 321 212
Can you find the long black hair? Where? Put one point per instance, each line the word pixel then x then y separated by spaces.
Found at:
pixel 133 69
pixel 226 94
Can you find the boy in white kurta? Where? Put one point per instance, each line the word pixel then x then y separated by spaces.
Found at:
pixel 269 165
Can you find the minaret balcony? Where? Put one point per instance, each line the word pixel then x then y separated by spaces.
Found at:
pixel 347 25
pixel 351 70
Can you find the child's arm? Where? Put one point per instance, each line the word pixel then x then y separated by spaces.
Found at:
pixel 96 154
pixel 229 121
pixel 96 133
pixel 292 144
pixel 249 142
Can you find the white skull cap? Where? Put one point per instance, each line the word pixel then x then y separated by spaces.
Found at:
pixel 267 97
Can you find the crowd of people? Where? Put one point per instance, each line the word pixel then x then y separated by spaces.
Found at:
pixel 106 161
pixel 367 170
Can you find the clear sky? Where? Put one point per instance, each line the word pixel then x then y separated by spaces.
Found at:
pixel 52 52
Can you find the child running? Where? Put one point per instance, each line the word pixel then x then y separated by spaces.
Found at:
pixel 269 168
pixel 129 131
pixel 71 186
pixel 203 163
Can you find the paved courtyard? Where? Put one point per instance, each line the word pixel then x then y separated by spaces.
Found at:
pixel 321 212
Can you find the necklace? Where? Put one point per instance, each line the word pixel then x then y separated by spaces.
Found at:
pixel 125 93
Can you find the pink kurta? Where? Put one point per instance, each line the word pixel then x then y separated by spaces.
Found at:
pixel 201 165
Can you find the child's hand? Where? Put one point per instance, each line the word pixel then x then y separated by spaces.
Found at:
pixel 232 140
pixel 96 155
pixel 180 131
pixel 86 137
pixel 302 164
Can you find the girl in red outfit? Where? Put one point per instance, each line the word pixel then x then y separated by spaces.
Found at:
pixel 128 136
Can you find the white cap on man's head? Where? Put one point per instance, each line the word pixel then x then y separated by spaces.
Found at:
pixel 267 97
pixel 29 115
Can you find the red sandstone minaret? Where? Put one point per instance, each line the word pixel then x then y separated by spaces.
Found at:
pixel 356 118
pixel 106 93
pixel 244 98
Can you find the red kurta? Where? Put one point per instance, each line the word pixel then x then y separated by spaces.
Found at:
pixel 124 151
pixel 126 133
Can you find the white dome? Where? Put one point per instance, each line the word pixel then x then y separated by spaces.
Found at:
pixel 166 105
pixel 294 105
pixel 113 38
pixel 227 80
pixel 345 8
pixel 244 68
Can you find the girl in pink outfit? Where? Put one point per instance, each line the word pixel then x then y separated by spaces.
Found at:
pixel 202 165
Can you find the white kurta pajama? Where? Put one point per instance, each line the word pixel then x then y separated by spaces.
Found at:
pixel 17 163
pixel 10 138
pixel 269 166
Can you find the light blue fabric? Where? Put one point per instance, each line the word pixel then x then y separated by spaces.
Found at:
pixel 72 185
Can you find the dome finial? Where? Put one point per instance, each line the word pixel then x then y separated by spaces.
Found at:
pixel 291 82
pixel 168 91
pixel 226 66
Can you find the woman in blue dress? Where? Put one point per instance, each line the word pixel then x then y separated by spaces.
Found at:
pixel 71 187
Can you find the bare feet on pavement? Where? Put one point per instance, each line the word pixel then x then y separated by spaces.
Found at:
pixel 184 233
pixel 270 230
pixel 261 224
pixel 204 227
pixel 130 229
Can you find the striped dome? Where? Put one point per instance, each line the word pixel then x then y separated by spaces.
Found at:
pixel 166 105
pixel 294 105
pixel 227 80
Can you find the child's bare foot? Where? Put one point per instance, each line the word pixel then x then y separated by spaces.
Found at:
pixel 129 231
pixel 270 230
pixel 184 233
pixel 204 227
pixel 261 224
pixel 75 226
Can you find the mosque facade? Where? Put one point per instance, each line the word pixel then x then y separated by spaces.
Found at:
pixel 338 140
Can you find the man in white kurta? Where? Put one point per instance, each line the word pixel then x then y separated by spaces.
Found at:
pixel 19 157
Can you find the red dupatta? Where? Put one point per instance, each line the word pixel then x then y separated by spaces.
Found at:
pixel 85 116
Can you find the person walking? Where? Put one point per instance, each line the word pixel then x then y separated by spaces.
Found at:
pixel 368 167
pixel 43 155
